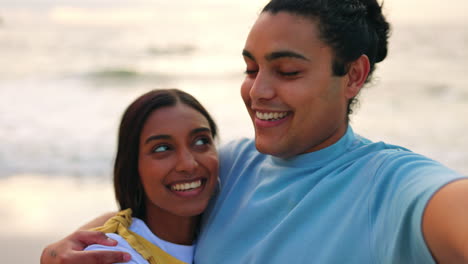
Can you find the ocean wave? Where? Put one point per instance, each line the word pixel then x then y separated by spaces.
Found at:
pixel 126 75
pixel 172 50
pixel 121 73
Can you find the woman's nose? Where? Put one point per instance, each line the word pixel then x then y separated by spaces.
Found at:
pixel 186 162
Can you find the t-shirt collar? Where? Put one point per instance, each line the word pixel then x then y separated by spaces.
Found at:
pixel 319 157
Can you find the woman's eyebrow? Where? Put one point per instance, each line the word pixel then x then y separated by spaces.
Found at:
pixel 163 136
pixel 156 137
pixel 200 130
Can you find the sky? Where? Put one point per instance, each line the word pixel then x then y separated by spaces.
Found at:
pixel 431 11
pixel 401 10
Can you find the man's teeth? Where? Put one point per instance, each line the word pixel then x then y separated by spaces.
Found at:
pixel 271 116
pixel 186 186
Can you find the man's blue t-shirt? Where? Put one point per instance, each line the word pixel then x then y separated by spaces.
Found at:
pixel 353 202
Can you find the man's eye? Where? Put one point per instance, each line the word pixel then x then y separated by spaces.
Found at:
pixel 289 73
pixel 250 72
pixel 161 148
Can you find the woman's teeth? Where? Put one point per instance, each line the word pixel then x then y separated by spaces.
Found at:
pixel 271 115
pixel 186 186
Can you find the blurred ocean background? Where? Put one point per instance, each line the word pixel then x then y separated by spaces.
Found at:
pixel 68 69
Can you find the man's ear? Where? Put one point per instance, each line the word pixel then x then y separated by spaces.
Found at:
pixel 357 76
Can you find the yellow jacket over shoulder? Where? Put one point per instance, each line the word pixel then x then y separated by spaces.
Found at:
pixel 120 224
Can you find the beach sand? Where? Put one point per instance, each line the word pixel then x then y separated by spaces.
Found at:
pixel 23 249
pixel 38 210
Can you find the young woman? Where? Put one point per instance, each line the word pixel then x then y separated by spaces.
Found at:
pixel 165 173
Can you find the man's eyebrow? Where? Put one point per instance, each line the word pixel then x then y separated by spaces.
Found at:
pixel 284 54
pixel 247 54
pixel 276 55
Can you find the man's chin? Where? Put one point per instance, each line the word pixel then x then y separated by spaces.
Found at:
pixel 271 148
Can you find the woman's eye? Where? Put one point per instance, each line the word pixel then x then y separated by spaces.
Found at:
pixel 161 148
pixel 202 141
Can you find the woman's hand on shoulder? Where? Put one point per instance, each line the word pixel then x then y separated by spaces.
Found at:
pixel 70 250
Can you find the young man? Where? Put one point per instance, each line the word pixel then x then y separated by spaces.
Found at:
pixel 308 189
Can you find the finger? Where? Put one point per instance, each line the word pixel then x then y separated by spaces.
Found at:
pixel 94 237
pixel 99 256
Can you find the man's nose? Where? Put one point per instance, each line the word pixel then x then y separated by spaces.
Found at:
pixel 262 87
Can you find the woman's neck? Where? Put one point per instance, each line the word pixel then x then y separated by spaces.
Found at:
pixel 172 228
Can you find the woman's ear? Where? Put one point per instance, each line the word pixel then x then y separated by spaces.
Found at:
pixel 357 76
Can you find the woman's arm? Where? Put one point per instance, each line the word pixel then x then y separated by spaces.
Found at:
pixel 445 223
pixel 70 249
pixel 98 221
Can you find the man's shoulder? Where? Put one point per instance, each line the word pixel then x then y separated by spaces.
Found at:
pixel 363 149
pixel 237 147
pixel 239 153
pixel 237 143
pixel 390 158
pixel 398 164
